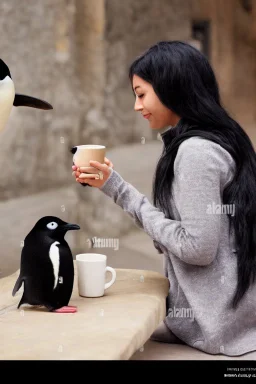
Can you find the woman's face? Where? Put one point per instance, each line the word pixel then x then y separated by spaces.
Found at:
pixel 149 105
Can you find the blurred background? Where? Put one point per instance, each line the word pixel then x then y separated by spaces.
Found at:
pixel 75 54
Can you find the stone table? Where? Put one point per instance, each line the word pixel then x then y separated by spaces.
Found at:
pixel 111 327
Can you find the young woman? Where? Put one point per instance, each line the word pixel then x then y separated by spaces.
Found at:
pixel 204 193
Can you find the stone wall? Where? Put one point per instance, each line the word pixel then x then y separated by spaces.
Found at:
pixel 233 56
pixel 37 43
pixel 131 27
pixel 244 80
pixel 51 50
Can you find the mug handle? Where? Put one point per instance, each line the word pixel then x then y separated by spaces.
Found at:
pixel 107 285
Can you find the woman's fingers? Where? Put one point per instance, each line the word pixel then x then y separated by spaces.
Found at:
pixel 108 162
pixel 92 169
pixel 85 175
pixel 101 167
pixel 88 176
pixel 93 179
pixel 86 169
pixel 84 181
pixel 75 173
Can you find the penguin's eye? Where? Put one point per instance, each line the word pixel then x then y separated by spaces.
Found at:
pixel 52 225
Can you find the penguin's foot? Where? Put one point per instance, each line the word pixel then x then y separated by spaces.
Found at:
pixel 66 309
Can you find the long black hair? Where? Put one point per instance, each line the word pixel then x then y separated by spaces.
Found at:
pixel 184 81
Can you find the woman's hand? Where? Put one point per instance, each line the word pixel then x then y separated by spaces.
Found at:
pixel 91 178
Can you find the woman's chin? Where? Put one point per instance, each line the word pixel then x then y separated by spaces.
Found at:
pixel 153 126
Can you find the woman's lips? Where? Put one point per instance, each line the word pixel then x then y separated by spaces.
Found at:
pixel 147 116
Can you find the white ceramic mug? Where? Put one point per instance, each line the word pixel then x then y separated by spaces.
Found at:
pixel 91 274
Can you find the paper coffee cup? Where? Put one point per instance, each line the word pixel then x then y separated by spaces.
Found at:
pixel 85 153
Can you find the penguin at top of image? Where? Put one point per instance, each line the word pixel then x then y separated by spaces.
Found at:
pixel 9 98
pixel 47 267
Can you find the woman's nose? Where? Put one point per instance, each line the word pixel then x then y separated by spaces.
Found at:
pixel 138 106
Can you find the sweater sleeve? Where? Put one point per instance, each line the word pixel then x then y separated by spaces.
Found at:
pixel 198 172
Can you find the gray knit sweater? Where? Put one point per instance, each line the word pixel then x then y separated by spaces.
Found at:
pixel 199 254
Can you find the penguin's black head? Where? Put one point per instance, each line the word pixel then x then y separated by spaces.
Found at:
pixel 4 70
pixel 53 227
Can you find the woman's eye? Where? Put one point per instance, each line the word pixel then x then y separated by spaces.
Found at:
pixel 140 96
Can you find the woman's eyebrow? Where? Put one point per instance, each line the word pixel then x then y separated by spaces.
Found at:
pixel 138 86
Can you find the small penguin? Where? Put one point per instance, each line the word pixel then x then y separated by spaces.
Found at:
pixel 8 97
pixel 46 268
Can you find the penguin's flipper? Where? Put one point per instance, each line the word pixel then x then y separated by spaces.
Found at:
pixel 23 300
pixel 17 285
pixel 29 101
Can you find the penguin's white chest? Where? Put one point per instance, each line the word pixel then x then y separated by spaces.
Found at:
pixel 54 255
pixel 7 95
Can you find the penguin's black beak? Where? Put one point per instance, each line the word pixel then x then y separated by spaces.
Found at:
pixel 70 227
pixel 29 101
